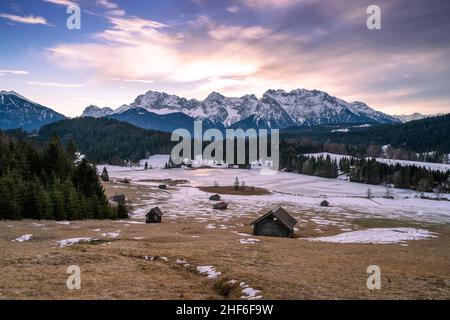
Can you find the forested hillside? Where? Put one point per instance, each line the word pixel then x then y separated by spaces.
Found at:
pixel 423 135
pixel 108 140
pixel 47 183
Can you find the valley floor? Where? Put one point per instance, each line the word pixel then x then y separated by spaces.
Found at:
pixel 201 253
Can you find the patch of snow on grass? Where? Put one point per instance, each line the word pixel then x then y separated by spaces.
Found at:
pixel 72 241
pixel 153 258
pixel 248 241
pixel 111 234
pixel 249 293
pixel 243 234
pixel 63 222
pixel 210 271
pixel 378 235
pixel 131 222
pixel 183 262
pixel 34 224
pixel 25 237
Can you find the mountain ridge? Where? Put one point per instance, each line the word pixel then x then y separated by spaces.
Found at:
pixel 275 109
pixel 416 116
pixel 17 111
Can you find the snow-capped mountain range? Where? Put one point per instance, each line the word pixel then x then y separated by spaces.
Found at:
pixel 161 111
pixel 415 116
pixel 16 111
pixel 275 109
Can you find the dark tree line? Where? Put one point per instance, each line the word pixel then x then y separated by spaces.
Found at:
pixel 47 183
pixel 371 171
pixel 321 166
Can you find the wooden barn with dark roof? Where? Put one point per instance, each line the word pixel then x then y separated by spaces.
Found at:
pixel 154 216
pixel 278 223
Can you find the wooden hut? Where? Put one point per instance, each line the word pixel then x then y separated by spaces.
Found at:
pixel 221 206
pixel 215 197
pixel 154 216
pixel 118 198
pixel 324 203
pixel 278 223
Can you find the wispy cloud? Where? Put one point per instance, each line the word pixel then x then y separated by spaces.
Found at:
pixel 233 9
pixel 16 72
pixel 237 32
pixel 130 80
pixel 113 8
pixel 61 2
pixel 301 43
pixel 56 84
pixel 25 19
pixel 107 4
pixel 146 49
pixel 265 4
pixel 116 12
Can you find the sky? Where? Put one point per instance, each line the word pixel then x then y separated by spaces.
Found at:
pixel 194 47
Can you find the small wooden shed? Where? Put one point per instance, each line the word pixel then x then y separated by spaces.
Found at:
pixel 278 223
pixel 118 198
pixel 221 206
pixel 324 203
pixel 154 216
pixel 215 197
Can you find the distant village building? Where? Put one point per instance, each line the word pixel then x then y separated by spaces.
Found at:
pixel 215 197
pixel 221 206
pixel 162 186
pixel 118 198
pixel 154 216
pixel 324 203
pixel 278 223
pixel 115 200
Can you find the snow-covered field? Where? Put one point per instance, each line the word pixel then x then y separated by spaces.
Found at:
pixel 297 193
pixel 156 161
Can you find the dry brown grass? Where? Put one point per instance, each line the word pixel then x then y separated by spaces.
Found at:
pixel 281 268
